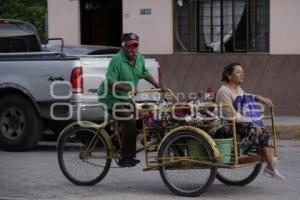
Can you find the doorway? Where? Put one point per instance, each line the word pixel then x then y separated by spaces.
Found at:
pixel 101 22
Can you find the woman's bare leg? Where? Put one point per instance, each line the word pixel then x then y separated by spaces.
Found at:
pixel 268 155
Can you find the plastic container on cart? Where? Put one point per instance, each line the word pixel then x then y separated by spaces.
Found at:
pixel 225 147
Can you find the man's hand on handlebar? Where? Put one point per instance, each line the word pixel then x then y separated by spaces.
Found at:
pixel 163 87
pixel 134 91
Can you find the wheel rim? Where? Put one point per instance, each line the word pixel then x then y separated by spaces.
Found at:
pixel 12 123
pixel 185 180
pixel 80 165
pixel 237 175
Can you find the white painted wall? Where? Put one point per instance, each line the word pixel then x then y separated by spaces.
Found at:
pixel 64 20
pixel 285 27
pixel 155 30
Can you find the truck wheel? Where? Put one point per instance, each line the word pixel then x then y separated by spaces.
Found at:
pixel 20 125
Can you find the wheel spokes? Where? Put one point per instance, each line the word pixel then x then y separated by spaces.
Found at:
pixel 84 157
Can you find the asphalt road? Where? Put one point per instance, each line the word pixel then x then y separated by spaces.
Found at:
pixel 36 175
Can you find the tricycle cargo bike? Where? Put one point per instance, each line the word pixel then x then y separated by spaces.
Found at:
pixel 188 143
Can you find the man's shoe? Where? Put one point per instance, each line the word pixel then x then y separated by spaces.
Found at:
pixel 273 174
pixel 128 162
pixel 136 161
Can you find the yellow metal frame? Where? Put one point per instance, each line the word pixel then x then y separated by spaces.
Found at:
pixel 99 130
pixel 202 133
pixel 151 91
pixel 205 135
pixel 172 130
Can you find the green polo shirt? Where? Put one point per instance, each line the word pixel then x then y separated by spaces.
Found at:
pixel 120 69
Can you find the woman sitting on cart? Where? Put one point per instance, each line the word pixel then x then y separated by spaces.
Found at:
pixel 247 112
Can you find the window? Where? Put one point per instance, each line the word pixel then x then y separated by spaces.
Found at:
pixel 17 37
pixel 221 25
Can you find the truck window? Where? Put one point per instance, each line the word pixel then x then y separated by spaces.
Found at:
pixel 18 37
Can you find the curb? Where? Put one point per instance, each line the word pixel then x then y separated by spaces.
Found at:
pixel 287 132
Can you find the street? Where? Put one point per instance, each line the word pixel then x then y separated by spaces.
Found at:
pixel 36 175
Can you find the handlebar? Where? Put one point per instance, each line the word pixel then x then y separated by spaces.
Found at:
pixel 169 91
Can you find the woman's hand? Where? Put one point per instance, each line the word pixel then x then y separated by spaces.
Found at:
pixel 258 129
pixel 267 102
pixel 264 100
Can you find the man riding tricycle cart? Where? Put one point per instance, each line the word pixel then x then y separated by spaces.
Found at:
pixel 190 144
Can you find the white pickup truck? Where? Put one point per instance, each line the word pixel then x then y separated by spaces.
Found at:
pixel 45 89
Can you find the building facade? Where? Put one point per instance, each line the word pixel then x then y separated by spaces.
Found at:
pixel 194 39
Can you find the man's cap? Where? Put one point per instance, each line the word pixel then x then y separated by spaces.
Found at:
pixel 130 39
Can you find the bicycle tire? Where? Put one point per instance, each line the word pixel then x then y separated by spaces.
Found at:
pixel 208 171
pixel 78 138
pixel 236 181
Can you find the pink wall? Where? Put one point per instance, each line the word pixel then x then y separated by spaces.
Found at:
pixel 64 20
pixel 285 27
pixel 156 29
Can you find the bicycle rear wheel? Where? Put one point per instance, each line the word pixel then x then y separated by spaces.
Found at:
pixel 238 176
pixel 83 156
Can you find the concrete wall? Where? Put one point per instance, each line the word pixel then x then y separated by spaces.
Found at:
pixel 155 30
pixel 273 76
pixel 64 20
pixel 285 27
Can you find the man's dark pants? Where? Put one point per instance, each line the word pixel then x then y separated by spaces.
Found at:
pixel 127 130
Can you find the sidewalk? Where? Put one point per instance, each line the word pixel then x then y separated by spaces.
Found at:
pixel 286 127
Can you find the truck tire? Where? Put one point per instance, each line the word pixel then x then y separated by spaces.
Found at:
pixel 20 125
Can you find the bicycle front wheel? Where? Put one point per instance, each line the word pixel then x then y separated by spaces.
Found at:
pixel 83 156
pixel 186 178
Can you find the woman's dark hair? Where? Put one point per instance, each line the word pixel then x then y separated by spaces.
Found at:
pixel 228 69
